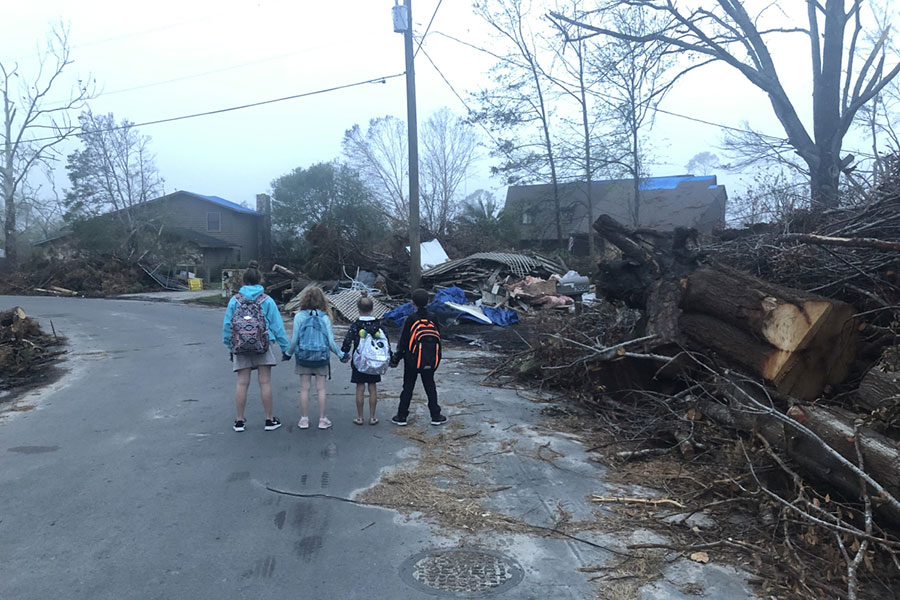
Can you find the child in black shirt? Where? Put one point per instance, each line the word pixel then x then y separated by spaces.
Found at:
pixel 412 370
pixel 365 325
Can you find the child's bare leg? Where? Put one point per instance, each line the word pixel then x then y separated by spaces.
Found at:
pixel 320 388
pixel 264 375
pixel 373 402
pixel 360 399
pixel 240 393
pixel 304 395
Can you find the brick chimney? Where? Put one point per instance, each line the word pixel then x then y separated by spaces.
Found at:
pixel 264 206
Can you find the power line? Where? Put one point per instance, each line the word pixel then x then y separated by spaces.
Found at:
pixel 212 72
pixel 650 106
pixel 382 79
pixel 428 27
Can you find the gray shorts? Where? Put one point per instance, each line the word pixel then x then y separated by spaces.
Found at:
pixel 324 371
pixel 252 361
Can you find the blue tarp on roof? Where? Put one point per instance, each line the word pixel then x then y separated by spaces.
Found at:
pixel 670 183
pixel 223 202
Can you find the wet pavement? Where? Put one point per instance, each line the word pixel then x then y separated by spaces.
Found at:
pixel 124 480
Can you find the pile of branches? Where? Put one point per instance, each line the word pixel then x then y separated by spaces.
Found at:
pixel 819 472
pixel 848 254
pixel 94 276
pixel 26 352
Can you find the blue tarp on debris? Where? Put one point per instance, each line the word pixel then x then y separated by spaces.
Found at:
pixel 443 313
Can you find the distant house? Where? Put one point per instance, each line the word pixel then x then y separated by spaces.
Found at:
pixel 225 233
pixel 665 203
pixel 220 232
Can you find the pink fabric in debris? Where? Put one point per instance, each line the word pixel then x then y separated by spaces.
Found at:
pixel 554 301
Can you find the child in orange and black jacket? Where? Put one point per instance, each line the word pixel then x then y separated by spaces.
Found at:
pixel 411 371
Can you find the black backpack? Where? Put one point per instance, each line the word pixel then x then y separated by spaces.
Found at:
pixel 424 344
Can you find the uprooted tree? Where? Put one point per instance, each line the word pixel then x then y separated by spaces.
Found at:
pixel 847 70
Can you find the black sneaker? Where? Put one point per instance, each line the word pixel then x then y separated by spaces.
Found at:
pixel 272 424
pixel 396 420
pixel 238 426
pixel 439 420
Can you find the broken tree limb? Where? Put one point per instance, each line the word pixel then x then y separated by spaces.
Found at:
pixel 276 268
pixel 819 440
pixel 879 389
pixel 825 240
pixel 631 500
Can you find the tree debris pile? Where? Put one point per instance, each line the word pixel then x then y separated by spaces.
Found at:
pixel 99 276
pixel 26 352
pixel 791 394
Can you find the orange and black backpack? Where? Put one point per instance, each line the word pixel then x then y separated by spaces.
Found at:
pixel 424 344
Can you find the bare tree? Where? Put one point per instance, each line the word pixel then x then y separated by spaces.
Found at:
pixel 725 30
pixel 448 150
pixel 41 207
pixel 114 172
pixel 634 79
pixel 381 158
pixel 517 109
pixel 579 84
pixel 33 126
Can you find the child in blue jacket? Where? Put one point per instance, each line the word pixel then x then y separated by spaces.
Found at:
pixel 313 305
pixel 262 362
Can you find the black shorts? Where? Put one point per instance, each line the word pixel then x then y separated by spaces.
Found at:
pixel 357 377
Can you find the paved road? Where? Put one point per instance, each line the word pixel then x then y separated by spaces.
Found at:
pixel 125 480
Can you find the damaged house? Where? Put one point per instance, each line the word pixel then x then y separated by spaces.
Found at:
pixel 664 203
pixel 218 232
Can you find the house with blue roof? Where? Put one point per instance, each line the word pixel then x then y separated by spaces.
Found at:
pixel 225 233
pixel 664 203
pixel 219 232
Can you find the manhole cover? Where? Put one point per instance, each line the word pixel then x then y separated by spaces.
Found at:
pixel 463 573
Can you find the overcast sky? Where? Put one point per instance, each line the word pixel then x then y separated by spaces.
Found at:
pixel 163 59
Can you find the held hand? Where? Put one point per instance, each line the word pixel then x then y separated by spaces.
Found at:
pixel 285 356
pixel 346 357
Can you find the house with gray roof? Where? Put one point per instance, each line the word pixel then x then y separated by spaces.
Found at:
pixel 664 204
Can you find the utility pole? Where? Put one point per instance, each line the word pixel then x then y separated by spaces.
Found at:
pixel 415 251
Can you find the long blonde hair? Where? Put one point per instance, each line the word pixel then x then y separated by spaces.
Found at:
pixel 312 298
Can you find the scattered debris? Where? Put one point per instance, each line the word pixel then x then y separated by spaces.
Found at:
pixel 95 276
pixel 26 352
pixel 768 360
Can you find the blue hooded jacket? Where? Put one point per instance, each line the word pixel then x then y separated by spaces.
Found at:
pixel 274 323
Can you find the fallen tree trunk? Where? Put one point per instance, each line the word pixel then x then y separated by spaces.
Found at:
pixel 879 390
pixel 800 342
pixel 750 411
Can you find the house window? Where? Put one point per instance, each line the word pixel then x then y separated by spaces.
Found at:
pixel 527 217
pixel 214 221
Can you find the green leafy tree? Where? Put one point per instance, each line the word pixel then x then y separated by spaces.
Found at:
pixel 482 225
pixel 324 197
